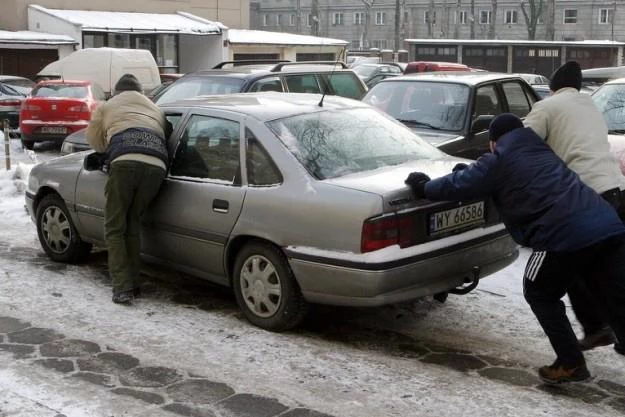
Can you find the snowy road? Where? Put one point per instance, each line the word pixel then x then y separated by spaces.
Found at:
pixel 472 356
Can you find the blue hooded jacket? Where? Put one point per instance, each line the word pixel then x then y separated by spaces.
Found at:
pixel 543 204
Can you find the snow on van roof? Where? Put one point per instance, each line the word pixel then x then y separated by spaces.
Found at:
pixel 127 22
pixel 28 37
pixel 252 37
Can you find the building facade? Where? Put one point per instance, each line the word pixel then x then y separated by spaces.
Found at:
pixel 232 13
pixel 371 23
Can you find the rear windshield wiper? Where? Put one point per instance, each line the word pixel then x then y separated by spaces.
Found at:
pixel 617 131
pixel 418 123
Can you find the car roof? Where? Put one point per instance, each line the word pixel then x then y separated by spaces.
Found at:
pixel 61 82
pixel 617 81
pixel 460 77
pixel 12 77
pixel 266 106
pixel 251 71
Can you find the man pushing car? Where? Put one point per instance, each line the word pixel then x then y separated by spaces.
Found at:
pixel 545 206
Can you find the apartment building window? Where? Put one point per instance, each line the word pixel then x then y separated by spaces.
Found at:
pixel 265 20
pixel 570 16
pixel 461 17
pixel 291 20
pixel 380 18
pixel 337 19
pixel 511 17
pixel 309 20
pixel 355 44
pixel 605 16
pixel 485 16
pixel 427 18
pixel 359 18
pixel 379 43
pixel 279 20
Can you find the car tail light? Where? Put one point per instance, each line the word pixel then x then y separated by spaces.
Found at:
pixel 10 103
pixel 378 233
pixel 82 108
pixel 30 107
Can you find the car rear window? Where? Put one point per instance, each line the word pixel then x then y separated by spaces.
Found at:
pixel 346 84
pixel 61 90
pixel 200 86
pixel 335 143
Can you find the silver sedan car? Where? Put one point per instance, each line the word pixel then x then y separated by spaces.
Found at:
pixel 289 201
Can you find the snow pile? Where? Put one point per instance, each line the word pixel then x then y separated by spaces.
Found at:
pixel 12 186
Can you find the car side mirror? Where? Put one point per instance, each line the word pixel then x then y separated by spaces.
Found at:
pixel 481 123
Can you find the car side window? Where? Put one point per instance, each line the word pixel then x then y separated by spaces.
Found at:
pixel 209 150
pixel 261 170
pixel 267 84
pixel 487 101
pixel 516 98
pixel 302 83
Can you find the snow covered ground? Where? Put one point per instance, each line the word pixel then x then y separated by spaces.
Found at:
pixel 343 362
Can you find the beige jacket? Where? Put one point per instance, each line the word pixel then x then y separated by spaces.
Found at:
pixel 126 110
pixel 574 128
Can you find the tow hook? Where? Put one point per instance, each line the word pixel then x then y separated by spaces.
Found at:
pixel 471 283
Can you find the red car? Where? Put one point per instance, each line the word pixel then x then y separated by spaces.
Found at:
pixel 57 108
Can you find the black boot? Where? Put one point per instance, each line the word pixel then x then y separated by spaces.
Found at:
pixel 619 348
pixel 123 297
pixel 601 337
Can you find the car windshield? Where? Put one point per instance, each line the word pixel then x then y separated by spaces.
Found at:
pixel 61 90
pixel 610 100
pixel 200 86
pixel 365 70
pixel 9 90
pixel 336 143
pixel 21 85
pixel 434 105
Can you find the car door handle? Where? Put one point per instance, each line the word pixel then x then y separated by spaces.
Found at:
pixel 220 206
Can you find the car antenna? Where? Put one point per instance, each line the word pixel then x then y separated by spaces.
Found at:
pixel 325 90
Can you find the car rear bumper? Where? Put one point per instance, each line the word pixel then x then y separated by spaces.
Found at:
pixel 378 283
pixel 33 129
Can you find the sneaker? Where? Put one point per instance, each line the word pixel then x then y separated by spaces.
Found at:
pixel 619 348
pixel 602 337
pixel 558 374
pixel 123 297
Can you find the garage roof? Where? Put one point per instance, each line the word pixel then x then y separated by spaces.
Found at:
pixel 35 38
pixel 131 22
pixel 260 37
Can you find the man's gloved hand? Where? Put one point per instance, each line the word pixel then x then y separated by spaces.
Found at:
pixel 459 167
pixel 416 181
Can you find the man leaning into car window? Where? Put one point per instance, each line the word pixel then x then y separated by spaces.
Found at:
pixel 574 233
pixel 132 131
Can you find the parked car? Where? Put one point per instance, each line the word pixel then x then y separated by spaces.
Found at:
pixel 371 74
pixel 57 108
pixel 453 110
pixel 318 213
pixel 10 103
pixel 593 78
pixel 20 84
pixel 610 100
pixel 429 66
pixel 295 77
pixel 535 79
pixel 543 91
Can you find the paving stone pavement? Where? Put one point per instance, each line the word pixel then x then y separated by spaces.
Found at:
pixel 193 395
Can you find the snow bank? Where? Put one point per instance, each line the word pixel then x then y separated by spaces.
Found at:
pixel 12 186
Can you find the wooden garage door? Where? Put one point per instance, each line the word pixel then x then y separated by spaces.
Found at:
pixel 486 57
pixel 25 62
pixel 536 60
pixel 593 57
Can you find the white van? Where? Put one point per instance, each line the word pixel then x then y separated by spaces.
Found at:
pixel 104 66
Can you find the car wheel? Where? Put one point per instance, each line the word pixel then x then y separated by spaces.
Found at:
pixel 27 144
pixel 57 233
pixel 266 289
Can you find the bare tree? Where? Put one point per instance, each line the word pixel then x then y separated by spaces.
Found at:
pixel 431 19
pixel 314 12
pixel 493 20
pixel 551 20
pixel 397 23
pixel 457 20
pixel 472 19
pixel 365 33
pixel 532 11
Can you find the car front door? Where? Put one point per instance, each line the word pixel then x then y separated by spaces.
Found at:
pixel 201 198
pixel 486 102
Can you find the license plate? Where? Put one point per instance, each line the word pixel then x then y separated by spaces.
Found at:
pixel 456 218
pixel 54 130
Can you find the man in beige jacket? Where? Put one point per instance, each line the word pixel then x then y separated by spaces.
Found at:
pixel 131 130
pixel 573 127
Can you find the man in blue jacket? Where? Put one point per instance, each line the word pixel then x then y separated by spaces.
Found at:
pixel 545 206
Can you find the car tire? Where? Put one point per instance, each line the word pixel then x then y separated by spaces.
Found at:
pixel 57 233
pixel 266 289
pixel 28 144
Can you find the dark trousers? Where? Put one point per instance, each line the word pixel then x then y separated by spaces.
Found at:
pixel 130 188
pixel 586 301
pixel 548 276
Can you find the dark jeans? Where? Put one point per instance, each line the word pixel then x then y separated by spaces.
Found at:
pixel 547 277
pixel 130 188
pixel 585 300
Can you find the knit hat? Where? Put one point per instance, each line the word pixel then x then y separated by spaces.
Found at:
pixel 128 82
pixel 568 75
pixel 503 124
